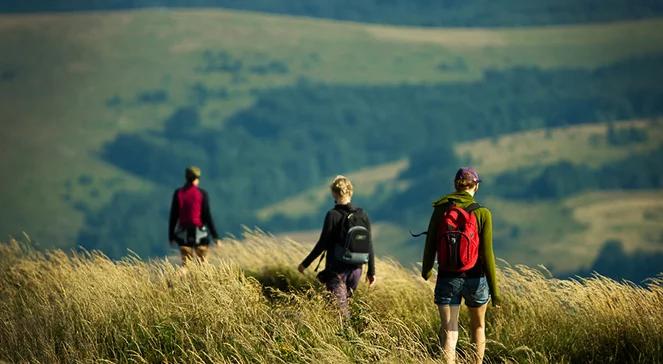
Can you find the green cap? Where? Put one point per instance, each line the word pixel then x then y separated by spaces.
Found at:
pixel 191 173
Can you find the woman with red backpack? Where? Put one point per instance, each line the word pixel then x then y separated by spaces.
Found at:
pixel 460 236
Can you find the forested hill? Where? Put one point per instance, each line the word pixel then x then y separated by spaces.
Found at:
pixel 272 149
pixel 428 13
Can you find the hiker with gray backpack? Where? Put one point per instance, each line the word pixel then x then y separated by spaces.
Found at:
pixel 460 235
pixel 346 241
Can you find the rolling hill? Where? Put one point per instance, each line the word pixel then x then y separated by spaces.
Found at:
pixel 565 235
pixel 469 13
pixel 71 84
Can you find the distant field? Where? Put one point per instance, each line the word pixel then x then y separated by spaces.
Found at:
pixel 566 236
pixel 387 238
pixel 365 183
pixel 71 82
pixel 550 46
pixel 582 144
pixel 635 218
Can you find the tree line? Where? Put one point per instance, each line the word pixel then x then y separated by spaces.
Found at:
pixel 294 137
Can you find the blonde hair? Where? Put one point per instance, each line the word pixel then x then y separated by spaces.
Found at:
pixel 341 186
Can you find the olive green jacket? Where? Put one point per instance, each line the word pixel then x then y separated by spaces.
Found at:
pixel 486 254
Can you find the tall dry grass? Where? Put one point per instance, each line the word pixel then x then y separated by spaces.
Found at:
pixel 251 305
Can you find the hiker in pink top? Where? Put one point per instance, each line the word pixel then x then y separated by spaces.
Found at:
pixel 191 226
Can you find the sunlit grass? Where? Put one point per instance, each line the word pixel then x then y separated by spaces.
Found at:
pixel 58 307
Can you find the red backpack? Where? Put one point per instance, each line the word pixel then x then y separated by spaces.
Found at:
pixel 458 238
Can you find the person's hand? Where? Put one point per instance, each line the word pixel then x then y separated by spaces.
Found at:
pixel 426 275
pixel 370 280
pixel 497 303
pixel 217 241
pixel 301 268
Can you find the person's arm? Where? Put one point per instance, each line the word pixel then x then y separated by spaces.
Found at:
pixel 323 241
pixel 488 255
pixel 371 256
pixel 430 249
pixel 207 216
pixel 172 221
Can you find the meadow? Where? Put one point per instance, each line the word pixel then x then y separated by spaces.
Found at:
pixel 249 304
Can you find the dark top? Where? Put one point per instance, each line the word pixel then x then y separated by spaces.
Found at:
pixel 332 234
pixel 201 200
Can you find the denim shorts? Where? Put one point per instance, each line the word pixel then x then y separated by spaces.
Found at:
pixel 448 291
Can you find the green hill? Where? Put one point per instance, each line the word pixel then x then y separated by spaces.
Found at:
pixel 72 86
pixel 584 143
pixel 469 13
pixel 564 234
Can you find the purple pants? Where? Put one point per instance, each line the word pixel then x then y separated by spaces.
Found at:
pixel 342 285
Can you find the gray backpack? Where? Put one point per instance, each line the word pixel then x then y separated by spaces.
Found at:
pixel 355 240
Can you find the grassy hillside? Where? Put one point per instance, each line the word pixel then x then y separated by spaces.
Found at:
pixel 251 305
pixel 366 182
pixel 72 82
pixel 581 144
pixel 388 237
pixel 565 235
pixel 469 13
pixel 586 144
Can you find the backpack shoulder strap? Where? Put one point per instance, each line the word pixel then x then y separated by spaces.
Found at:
pixel 359 212
pixel 447 205
pixel 342 213
pixel 342 224
pixel 473 207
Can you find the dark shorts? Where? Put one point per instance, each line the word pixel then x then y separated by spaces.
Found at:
pixel 193 245
pixel 448 291
pixel 192 237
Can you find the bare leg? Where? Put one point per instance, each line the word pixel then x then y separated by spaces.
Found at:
pixel 187 254
pixel 449 331
pixel 201 252
pixel 478 327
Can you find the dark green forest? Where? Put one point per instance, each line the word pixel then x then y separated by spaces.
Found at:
pixel 295 137
pixel 614 262
pixel 472 13
pixel 565 178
